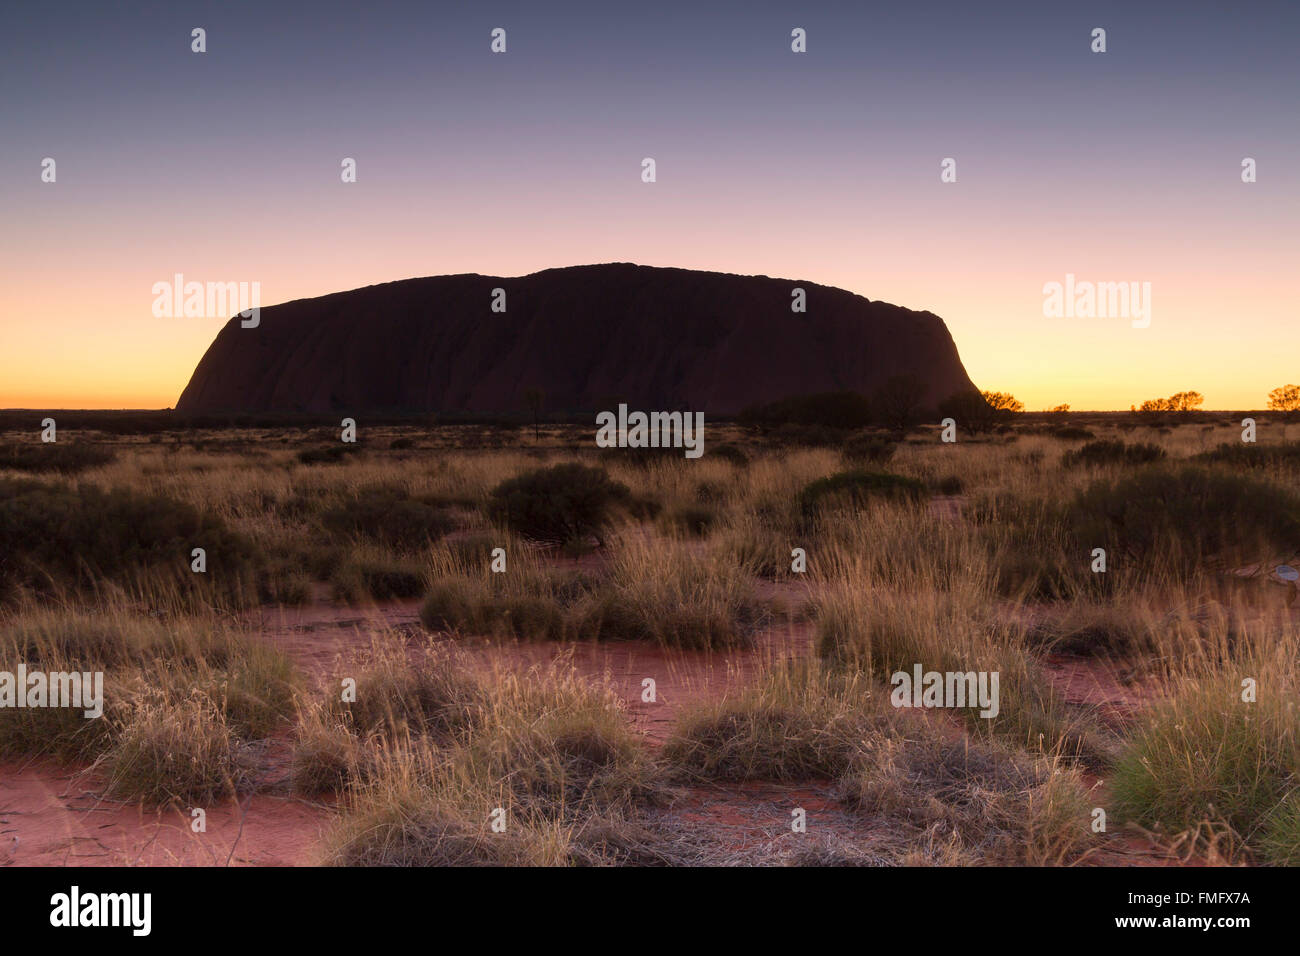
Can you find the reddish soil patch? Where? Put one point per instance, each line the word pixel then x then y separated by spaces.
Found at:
pixel 327 641
pixel 51 816
pixel 1099 685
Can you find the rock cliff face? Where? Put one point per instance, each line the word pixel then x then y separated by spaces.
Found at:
pixel 586 336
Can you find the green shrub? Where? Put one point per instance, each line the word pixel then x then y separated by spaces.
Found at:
pixel 1071 432
pixel 389 517
pixel 328 454
pixel 53 536
pixel 857 487
pixel 1107 452
pixel 562 503
pixel 1186 518
pixel 868 448
pixel 972 412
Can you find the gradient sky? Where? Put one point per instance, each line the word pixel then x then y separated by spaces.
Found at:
pixel 824 166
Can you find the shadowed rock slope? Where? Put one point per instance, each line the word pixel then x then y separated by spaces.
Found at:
pixel 586 336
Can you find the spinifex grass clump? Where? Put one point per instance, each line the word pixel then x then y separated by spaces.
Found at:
pixel 428 699
pixel 1034 554
pixel 897 546
pixel 799 722
pixel 1071 433
pixel 1208 762
pixel 729 453
pixel 761 544
pixel 982 802
pixel 668 592
pixel 1119 629
pixel 56 538
pixel 882 634
pixel 690 520
pixel 529 600
pixel 328 454
pixel 547 753
pixel 431 695
pixel 564 503
pixel 176 749
pixel 559 746
pixel 166 687
pixel 379 575
pixel 409 813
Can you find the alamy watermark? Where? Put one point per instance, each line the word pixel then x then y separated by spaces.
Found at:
pixel 651 430
pixel 129 910
pixel 23 688
pixel 923 688
pixel 208 300
pixel 1085 299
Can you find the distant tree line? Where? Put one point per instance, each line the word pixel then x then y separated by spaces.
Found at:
pixel 897 406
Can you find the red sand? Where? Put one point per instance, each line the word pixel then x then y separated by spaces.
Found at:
pixel 51 816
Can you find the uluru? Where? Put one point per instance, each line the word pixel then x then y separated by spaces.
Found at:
pixel 585 336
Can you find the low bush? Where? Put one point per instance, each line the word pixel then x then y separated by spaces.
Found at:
pixel 857 488
pixel 1179 520
pixel 869 449
pixel 563 503
pixel 389 517
pixel 328 454
pixel 1113 453
pixel 53 536
pixel 63 458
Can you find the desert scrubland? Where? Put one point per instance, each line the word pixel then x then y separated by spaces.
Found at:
pixel 651 679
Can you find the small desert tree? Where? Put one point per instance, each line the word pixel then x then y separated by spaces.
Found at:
pixel 1004 402
pixel 1285 400
pixel 1058 414
pixel 970 411
pixel 1154 410
pixel 534 397
pixel 897 403
pixel 1185 401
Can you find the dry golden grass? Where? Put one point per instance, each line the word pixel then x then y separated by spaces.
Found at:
pixel 989 576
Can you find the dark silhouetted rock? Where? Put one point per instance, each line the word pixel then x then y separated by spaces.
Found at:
pixel 586 336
